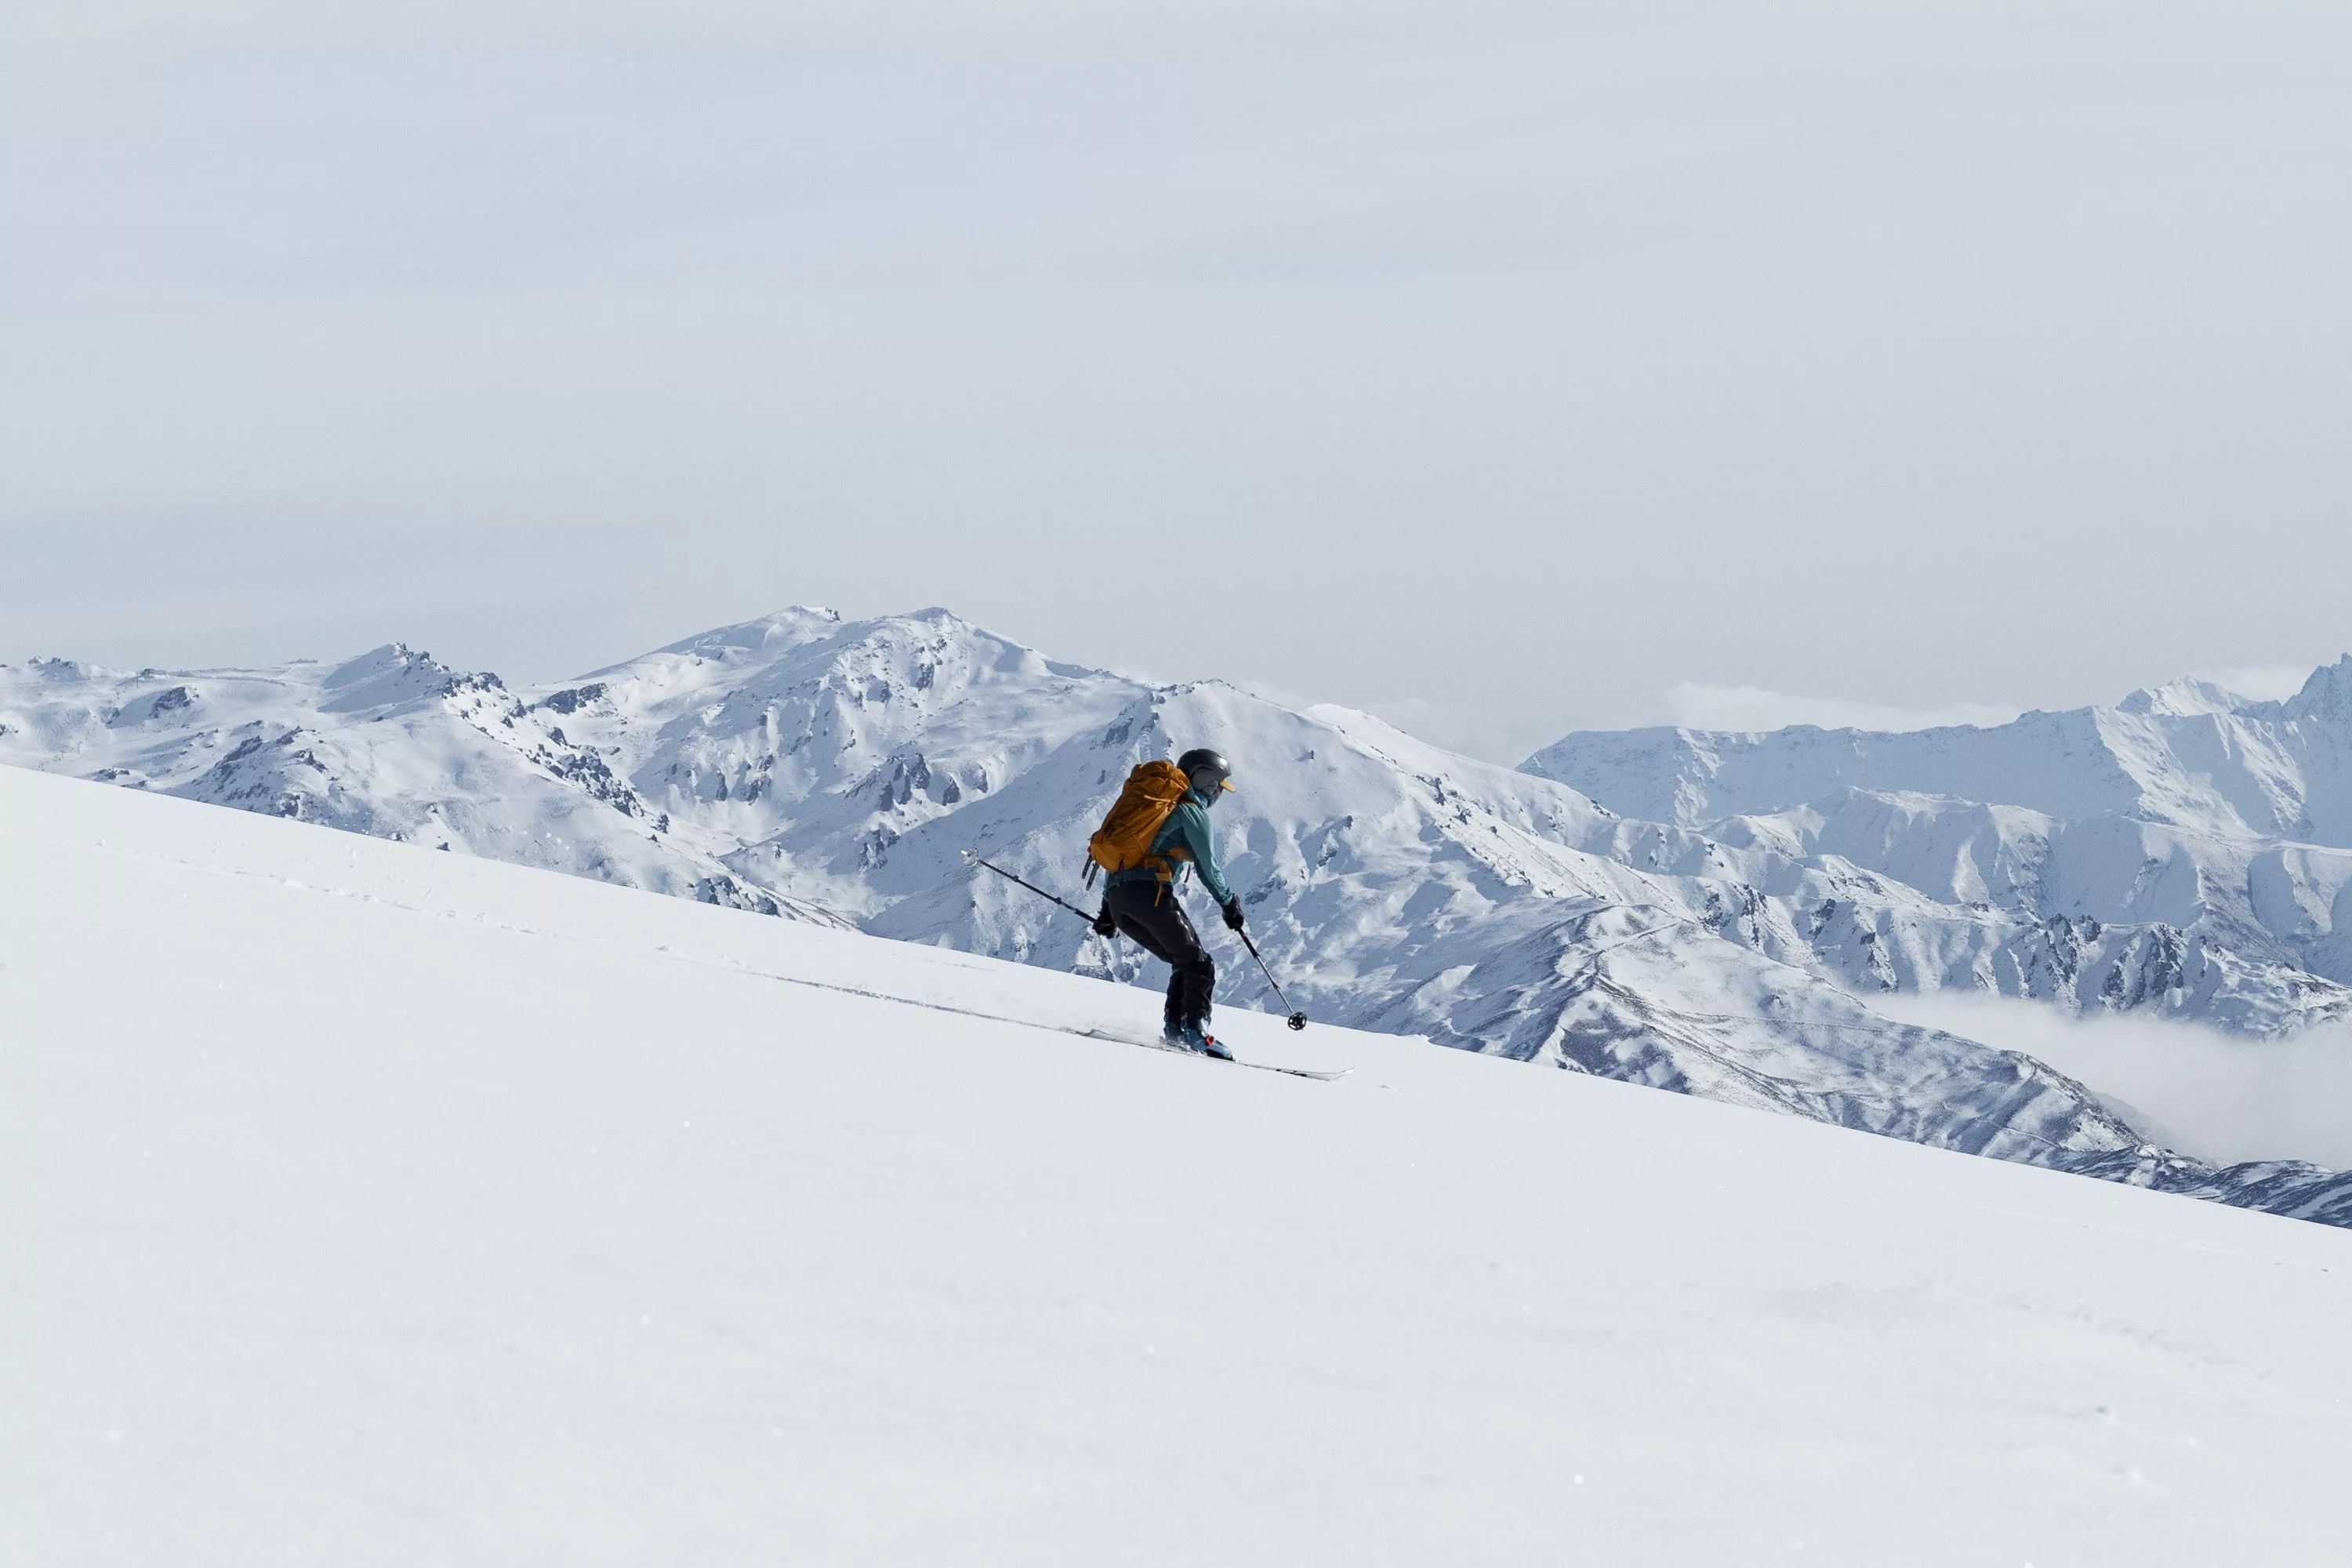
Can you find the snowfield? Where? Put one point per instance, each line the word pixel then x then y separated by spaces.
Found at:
pixel 1704 913
pixel 370 1204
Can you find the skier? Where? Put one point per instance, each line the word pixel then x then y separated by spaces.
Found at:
pixel 1141 898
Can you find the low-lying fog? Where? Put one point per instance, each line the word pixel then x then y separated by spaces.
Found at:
pixel 2214 1095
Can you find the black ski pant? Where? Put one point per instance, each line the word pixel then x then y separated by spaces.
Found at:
pixel 1153 917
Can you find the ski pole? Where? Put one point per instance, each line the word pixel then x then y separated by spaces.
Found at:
pixel 1297 1020
pixel 1031 886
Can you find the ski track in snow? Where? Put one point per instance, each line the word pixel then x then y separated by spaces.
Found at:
pixel 370 1205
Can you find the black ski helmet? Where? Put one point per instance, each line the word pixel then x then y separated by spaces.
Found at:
pixel 1208 772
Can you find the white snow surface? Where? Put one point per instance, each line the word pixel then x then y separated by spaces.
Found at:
pixel 835 771
pixel 369 1205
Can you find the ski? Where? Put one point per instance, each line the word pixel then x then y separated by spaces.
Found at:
pixel 1318 1075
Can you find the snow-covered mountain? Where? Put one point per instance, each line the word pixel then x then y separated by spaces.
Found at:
pixel 2189 754
pixel 390 744
pixel 1724 944
pixel 2187 850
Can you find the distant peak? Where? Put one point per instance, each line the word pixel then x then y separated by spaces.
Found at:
pixel 791 625
pixel 62 670
pixel 770 635
pixel 391 659
pixel 394 673
pixel 2327 695
pixel 2183 698
pixel 936 618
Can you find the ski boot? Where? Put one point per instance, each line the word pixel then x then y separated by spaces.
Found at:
pixel 1195 1040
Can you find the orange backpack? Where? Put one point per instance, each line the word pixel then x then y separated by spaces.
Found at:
pixel 1123 842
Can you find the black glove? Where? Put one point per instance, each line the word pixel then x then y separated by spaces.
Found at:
pixel 1104 925
pixel 1234 915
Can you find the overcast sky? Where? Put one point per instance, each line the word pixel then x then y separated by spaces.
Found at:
pixel 1503 368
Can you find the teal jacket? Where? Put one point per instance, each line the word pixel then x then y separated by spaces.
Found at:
pixel 1187 828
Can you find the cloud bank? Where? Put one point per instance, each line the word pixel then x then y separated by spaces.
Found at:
pixel 2204 1092
pixel 1702 705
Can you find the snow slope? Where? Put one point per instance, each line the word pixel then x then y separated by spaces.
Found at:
pixel 838 770
pixel 370 1205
